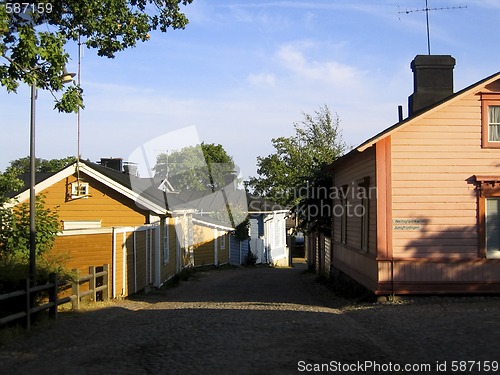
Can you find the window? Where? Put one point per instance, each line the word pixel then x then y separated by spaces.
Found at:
pixel 79 189
pixel 490 113
pixel 488 188
pixel 364 194
pixel 223 241
pixel 365 223
pixel 165 245
pixel 343 222
pixel 494 123
pixel 492 227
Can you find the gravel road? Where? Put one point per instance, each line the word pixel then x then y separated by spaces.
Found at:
pixel 263 320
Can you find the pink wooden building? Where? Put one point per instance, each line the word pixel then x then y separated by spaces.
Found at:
pixel 417 207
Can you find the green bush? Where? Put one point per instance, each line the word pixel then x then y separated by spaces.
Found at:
pixel 251 258
pixel 15 245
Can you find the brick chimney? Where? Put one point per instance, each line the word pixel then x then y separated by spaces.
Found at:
pixel 432 80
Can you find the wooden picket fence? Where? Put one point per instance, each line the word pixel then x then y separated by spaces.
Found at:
pixel 53 302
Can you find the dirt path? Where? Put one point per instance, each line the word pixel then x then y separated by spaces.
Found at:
pixel 261 321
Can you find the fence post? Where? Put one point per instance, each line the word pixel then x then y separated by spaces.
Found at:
pixel 75 290
pixel 105 281
pixel 92 283
pixel 53 296
pixel 28 305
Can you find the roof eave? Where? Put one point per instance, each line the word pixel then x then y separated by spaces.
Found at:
pixel 157 209
pixel 426 111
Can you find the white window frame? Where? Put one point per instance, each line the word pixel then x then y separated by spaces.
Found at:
pixel 166 246
pixel 223 241
pixel 488 100
pixel 492 123
pixel 79 189
pixel 491 254
pixel 81 224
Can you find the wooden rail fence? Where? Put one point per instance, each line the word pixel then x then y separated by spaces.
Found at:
pixel 93 287
pixel 51 287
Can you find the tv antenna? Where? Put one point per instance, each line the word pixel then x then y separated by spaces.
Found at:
pixel 427 10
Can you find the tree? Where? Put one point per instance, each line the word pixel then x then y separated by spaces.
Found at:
pixel 317 142
pixel 36 55
pixel 202 167
pixel 15 231
pixel 22 165
pixel 9 182
pixel 295 169
pixel 15 244
pixel 15 226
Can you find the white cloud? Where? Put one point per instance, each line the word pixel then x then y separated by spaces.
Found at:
pixel 293 57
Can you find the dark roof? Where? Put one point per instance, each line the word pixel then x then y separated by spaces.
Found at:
pixel 145 187
pixel 25 178
pixel 199 200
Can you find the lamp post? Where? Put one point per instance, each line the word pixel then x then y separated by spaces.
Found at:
pixel 32 188
pixel 66 78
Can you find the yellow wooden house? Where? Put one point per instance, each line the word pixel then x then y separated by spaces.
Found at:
pixel 146 235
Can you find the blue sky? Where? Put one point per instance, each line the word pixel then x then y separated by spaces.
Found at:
pixel 243 72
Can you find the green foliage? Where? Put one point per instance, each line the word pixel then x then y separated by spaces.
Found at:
pixel 15 268
pixel 237 216
pixel 15 229
pixel 71 100
pixel 294 175
pixel 22 165
pixel 34 55
pixel 15 244
pixel 298 159
pixel 251 258
pixel 202 167
pixel 9 182
pixel 241 231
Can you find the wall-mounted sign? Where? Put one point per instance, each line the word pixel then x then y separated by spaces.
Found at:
pixel 408 224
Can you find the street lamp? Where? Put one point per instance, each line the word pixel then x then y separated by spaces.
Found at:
pixel 66 78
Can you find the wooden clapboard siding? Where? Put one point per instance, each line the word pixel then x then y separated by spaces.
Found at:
pixel 130 269
pixel 167 270
pixel 206 238
pixel 123 240
pixel 131 266
pixel 433 161
pixel 439 275
pixel 223 253
pixel 349 258
pixel 203 245
pixel 425 170
pixel 351 174
pixel 357 265
pixel 141 260
pixel 104 204
pixel 120 273
pixel 82 253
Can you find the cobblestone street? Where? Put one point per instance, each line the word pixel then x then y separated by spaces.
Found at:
pixel 259 321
